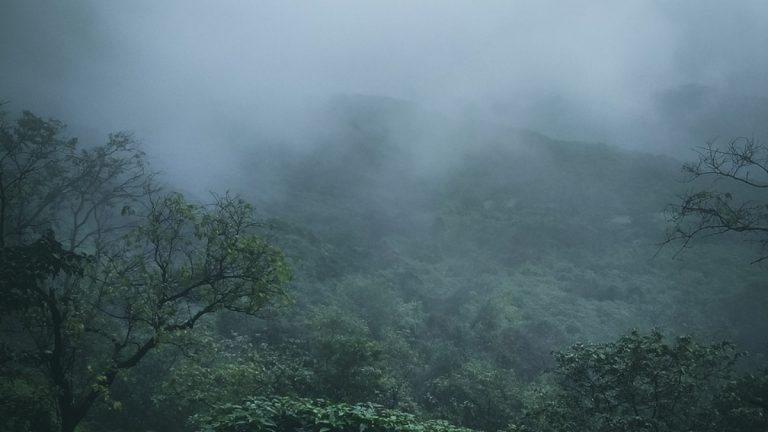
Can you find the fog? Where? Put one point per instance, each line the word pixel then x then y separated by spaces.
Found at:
pixel 445 193
pixel 191 79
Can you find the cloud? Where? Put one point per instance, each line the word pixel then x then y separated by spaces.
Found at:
pixel 183 75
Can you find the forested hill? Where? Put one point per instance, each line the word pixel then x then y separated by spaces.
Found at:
pixel 564 233
pixel 351 216
pixel 437 264
pixel 443 269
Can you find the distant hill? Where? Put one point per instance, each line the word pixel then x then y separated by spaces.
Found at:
pixel 565 231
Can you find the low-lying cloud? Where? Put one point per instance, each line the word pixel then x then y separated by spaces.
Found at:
pixel 186 76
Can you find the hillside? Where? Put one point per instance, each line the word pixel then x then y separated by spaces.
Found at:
pixel 442 287
pixel 443 270
pixel 504 203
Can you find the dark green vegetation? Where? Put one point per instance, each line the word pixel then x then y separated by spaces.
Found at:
pixel 135 268
pixel 288 414
pixel 642 383
pixel 429 283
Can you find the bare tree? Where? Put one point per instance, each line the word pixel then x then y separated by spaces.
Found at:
pixel 733 202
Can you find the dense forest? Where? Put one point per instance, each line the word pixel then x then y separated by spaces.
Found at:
pixel 508 282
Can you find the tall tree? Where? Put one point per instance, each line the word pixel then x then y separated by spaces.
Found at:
pixel 98 266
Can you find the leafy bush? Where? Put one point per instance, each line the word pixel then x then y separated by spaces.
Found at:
pixel 639 383
pixel 477 394
pixel 744 403
pixel 307 415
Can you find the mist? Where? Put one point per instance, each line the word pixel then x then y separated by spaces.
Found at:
pixel 185 78
pixel 445 194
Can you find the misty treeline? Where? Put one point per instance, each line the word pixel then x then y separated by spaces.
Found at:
pixel 497 291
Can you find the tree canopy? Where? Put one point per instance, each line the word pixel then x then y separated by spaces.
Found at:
pixel 100 266
pixel 421 303
pixel 644 382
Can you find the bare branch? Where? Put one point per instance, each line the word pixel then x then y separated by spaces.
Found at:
pixel 742 162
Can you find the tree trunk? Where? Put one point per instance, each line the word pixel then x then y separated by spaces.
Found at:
pixel 68 423
pixel 71 414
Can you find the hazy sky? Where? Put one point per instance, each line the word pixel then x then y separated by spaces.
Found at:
pixel 184 74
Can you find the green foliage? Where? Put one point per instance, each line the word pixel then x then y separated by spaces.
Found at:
pixel 444 291
pixel 134 269
pixel 291 414
pixel 225 370
pixel 744 403
pixel 639 382
pixel 27 398
pixel 439 291
pixel 24 267
pixel 479 394
pixel 25 402
pixel 347 360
